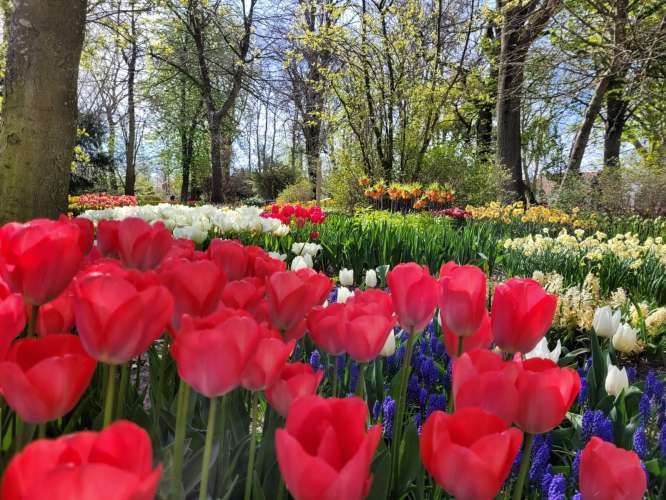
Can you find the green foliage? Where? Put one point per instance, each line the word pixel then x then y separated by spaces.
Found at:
pixel 475 180
pixel 299 192
pixel 272 178
pixel 343 187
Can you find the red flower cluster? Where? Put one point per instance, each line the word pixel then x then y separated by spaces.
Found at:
pixel 454 213
pixel 97 201
pixel 297 214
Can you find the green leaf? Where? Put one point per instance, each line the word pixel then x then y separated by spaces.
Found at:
pixel 409 459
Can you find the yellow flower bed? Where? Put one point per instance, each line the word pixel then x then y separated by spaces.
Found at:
pixel 531 214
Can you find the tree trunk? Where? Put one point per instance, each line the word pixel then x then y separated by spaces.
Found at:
pixel 186 150
pixel 130 146
pixel 616 118
pixel 39 111
pixel 215 160
pixel 226 155
pixel 585 129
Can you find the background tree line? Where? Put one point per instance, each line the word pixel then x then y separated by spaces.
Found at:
pixel 225 99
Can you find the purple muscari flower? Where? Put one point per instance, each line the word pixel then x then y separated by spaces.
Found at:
pixel 315 360
pixel 575 467
pixel 429 372
pixel 388 412
pixel 515 467
pixel 631 374
pixel 662 441
pixel 658 393
pixel 353 376
pixel 297 352
pixel 546 479
pixel 640 443
pixel 577 496
pixel 558 488
pixel 644 409
pixel 588 364
pixel 404 336
pixel 333 296
pixel 413 389
pixel 650 380
pixel 587 426
pixel 340 362
pixel 423 397
pixel 582 394
pixel 436 402
pixel 447 376
pixel 661 414
pixel 400 355
pixel 376 410
pixel 417 360
pixel 540 458
pixel 418 422
pixel 603 426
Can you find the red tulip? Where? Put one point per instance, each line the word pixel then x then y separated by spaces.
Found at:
pixel 244 293
pixel 470 452
pixel 219 316
pixel 481 379
pixel 521 314
pixel 40 258
pixel 291 295
pixel 196 288
pixel 12 320
pixel 231 257
pixel 368 321
pixel 267 361
pixel 261 264
pixel 43 379
pixel 181 249
pixel 56 316
pixel 142 245
pixel 213 361
pixel 118 317
pixel 414 294
pixel 85 466
pixel 325 327
pixel 481 339
pixel 545 394
pixel 107 238
pixel 610 473
pixel 296 380
pixel 325 451
pixel 462 298
pixel 86 232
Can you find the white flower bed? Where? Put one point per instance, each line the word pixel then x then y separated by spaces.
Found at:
pixel 195 223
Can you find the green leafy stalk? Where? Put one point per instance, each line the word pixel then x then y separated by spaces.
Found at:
pixel 208 446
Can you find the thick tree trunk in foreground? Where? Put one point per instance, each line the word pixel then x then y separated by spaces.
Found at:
pixel 39 111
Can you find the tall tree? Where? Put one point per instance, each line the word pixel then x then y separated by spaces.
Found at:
pixel 40 108
pixel 522 24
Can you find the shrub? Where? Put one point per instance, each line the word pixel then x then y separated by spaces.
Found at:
pixel 343 186
pixel 299 192
pixel 273 178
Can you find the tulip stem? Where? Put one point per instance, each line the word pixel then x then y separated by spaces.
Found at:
pixel 461 347
pixel 222 417
pixel 110 393
pixel 400 409
pixel 254 402
pixel 41 431
pixel 179 438
pixel 32 321
pixel 524 467
pixel 122 394
pixel 205 463
pixel 360 385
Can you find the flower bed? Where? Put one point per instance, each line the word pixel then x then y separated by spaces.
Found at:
pixel 245 379
pixel 98 201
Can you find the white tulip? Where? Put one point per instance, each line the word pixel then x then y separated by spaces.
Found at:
pixel 193 233
pixel 370 278
pixel 278 256
pixel 389 345
pixel 312 249
pixel 541 351
pixel 616 380
pixel 606 322
pixel 346 277
pixel 299 262
pixel 344 294
pixel 624 339
pixel 297 248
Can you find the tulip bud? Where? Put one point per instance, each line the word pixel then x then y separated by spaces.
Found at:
pixel 299 262
pixel 624 339
pixel 370 278
pixel 389 346
pixel 346 277
pixel 606 322
pixel 541 351
pixel 616 380
pixel 344 294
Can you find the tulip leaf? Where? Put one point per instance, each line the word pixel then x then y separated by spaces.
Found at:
pixel 597 373
pixel 381 470
pixel 409 459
